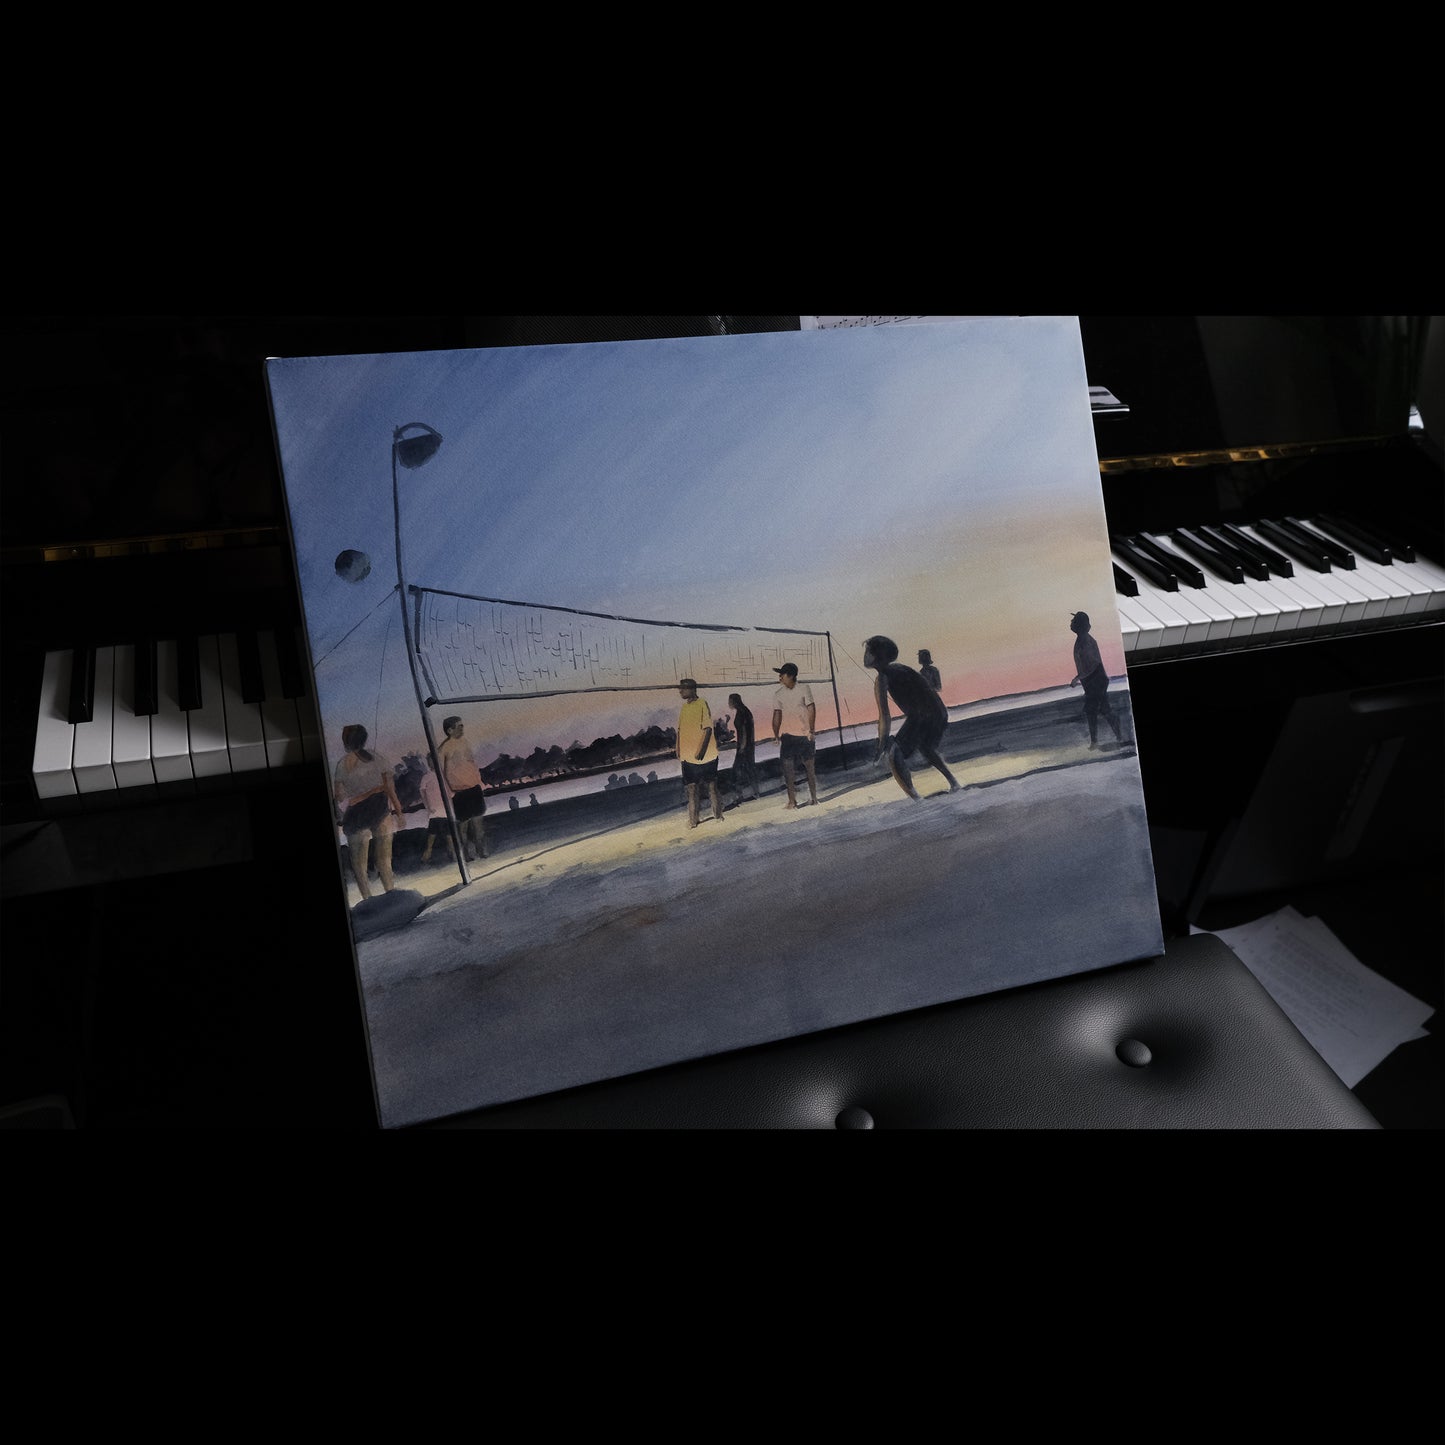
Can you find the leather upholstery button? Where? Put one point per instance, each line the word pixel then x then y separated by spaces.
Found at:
pixel 1133 1053
pixel 854 1118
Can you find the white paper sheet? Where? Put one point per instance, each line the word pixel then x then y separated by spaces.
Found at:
pixel 1351 1015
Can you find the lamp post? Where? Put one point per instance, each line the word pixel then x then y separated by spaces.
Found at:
pixel 412 452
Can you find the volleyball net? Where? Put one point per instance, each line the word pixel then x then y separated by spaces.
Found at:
pixel 489 649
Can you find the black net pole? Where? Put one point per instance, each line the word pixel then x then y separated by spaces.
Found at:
pixel 837 707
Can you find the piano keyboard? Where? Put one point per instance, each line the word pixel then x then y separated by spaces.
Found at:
pixel 174 711
pixel 1219 587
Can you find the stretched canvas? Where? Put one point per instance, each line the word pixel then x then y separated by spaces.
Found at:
pixel 556 581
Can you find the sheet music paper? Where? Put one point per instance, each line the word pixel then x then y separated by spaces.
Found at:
pixel 1352 1016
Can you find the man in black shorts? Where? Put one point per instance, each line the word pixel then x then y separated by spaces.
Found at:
pixel 794 717
pixel 924 715
pixel 697 750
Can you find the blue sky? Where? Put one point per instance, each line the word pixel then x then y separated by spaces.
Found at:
pixel 937 483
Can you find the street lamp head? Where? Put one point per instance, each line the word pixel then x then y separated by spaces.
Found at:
pixel 415 451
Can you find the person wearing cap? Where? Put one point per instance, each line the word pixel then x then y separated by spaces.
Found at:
pixel 793 717
pixel 697 749
pixel 925 718
pixel 1091 672
pixel 927 671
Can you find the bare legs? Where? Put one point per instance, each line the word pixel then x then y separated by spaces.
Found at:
pixel 899 768
pixel 692 802
pixel 359 846
pixel 790 781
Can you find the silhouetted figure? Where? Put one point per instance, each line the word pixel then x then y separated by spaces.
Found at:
pixel 364 788
pixel 513 804
pixel 697 750
pixel 1091 672
pixel 927 671
pixel 925 718
pixel 532 800
pixel 464 778
pixel 745 761
pixel 794 714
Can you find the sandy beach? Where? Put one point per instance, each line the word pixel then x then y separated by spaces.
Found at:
pixel 647 943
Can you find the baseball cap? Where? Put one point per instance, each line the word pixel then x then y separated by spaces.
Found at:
pixel 791 668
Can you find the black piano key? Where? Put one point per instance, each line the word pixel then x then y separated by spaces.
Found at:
pixel 1159 576
pixel 147 679
pixel 288 663
pixel 1403 550
pixel 81 707
pixel 248 657
pixel 1371 547
pixel 1250 565
pixel 188 673
pixel 1184 571
pixel 1287 541
pixel 1340 556
pixel 1217 563
pixel 1280 565
pixel 1124 584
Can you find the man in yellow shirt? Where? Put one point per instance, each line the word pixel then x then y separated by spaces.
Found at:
pixel 697 749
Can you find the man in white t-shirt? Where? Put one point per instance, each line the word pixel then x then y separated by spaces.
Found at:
pixel 793 717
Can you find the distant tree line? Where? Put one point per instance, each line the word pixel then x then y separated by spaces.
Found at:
pixel 556 762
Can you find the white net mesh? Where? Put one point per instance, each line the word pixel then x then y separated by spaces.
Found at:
pixel 486 649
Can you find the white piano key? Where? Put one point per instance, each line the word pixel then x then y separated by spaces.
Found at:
pixel 1288 605
pixel 1309 610
pixel 1128 626
pixel 1151 630
pixel 1267 612
pixel 170 737
pixel 1222 620
pixel 210 756
pixel 1384 597
pixel 130 742
pixel 1230 618
pixel 54 732
pixel 280 726
pixel 245 739
pixel 1429 574
pixel 1186 603
pixel 1365 599
pixel 1326 607
pixel 91 762
pixel 1357 603
pixel 1409 595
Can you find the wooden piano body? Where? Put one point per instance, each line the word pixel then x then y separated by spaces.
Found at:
pixel 175 937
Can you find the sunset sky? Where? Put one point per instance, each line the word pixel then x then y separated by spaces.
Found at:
pixel 936 483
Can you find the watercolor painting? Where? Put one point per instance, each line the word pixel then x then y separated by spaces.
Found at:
pixel 685 695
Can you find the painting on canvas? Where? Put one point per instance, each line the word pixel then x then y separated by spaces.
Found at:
pixel 684 695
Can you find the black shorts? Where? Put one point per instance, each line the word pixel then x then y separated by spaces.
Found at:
pixel 469 803
pixel 793 748
pixel 438 828
pixel 921 733
pixel 699 772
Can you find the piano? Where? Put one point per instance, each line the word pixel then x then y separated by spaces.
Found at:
pixel 1274 508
